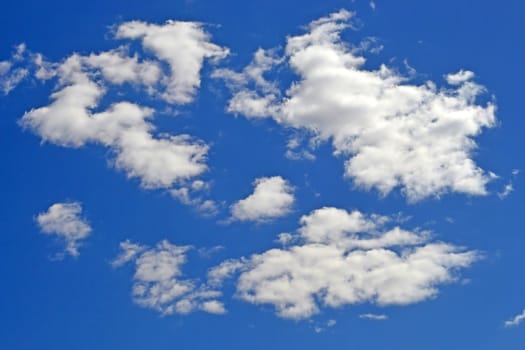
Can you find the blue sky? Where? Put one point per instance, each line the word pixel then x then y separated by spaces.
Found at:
pixel 184 174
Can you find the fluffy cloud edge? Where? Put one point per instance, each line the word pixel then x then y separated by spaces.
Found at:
pixel 64 220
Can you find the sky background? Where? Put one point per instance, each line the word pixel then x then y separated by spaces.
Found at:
pixel 83 302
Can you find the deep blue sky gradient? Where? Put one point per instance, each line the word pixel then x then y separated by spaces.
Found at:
pixel 84 303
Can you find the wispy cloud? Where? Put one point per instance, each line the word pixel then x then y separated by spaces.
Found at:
pixel 516 320
pixel 374 317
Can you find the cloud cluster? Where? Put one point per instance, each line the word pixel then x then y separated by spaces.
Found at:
pixel 158 282
pixel 272 197
pixel 345 258
pixel 74 117
pixel 64 221
pixel 393 133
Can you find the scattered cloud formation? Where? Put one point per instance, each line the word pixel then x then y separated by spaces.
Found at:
pixel 392 132
pixel 272 197
pixel 375 317
pixel 516 320
pixel 158 282
pixel 64 221
pixel 11 73
pixel 345 258
pixel 322 327
pixel 74 117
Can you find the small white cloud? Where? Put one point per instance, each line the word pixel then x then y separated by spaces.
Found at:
pixel 213 307
pixel 516 320
pixel 64 221
pixel 285 238
pixel 372 5
pixel 218 274
pixel 331 323
pixel 158 282
pixel 11 73
pixel 272 197
pixel 506 191
pixel 375 317
pixel 189 195
pixel 129 251
pixel 459 77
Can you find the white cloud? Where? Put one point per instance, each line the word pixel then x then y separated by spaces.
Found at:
pixel 375 317
pixel 392 132
pixel 69 121
pixel 192 195
pixel 118 67
pixel 272 197
pixel 183 45
pixel 64 221
pixel 75 116
pixel 459 77
pixel 218 274
pixel 506 191
pixel 321 327
pixel 516 320
pixel 343 259
pixel 11 73
pixel 158 282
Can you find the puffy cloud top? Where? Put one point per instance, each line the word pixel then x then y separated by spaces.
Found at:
pixel 272 197
pixel 394 133
pixel 64 221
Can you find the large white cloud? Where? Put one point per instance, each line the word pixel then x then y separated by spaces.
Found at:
pixel 158 282
pixel 393 132
pixel 272 197
pixel 74 118
pixel 64 220
pixel 344 258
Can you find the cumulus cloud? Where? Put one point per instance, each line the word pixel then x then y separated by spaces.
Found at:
pixel 393 133
pixel 74 118
pixel 158 281
pixel 344 258
pixel 183 46
pixel 516 320
pixel 64 221
pixel 272 197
